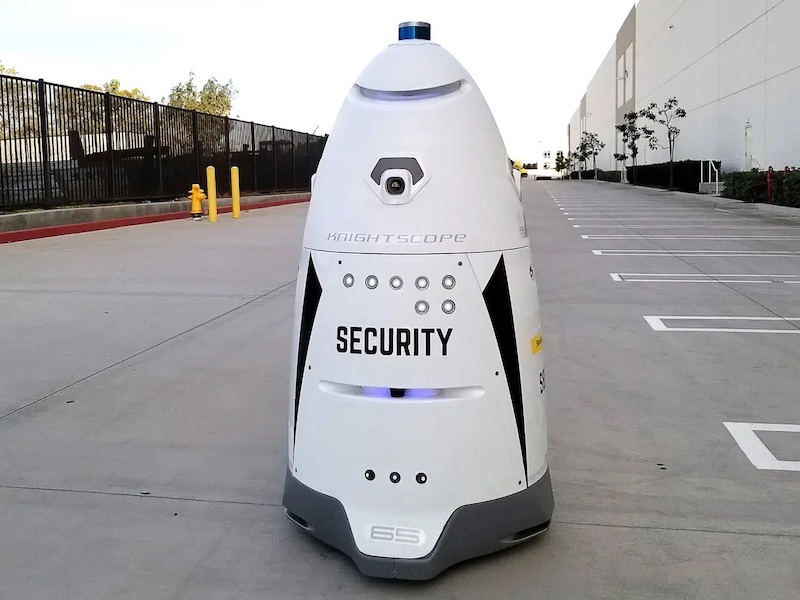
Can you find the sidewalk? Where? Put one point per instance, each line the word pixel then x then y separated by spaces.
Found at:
pixel 62 221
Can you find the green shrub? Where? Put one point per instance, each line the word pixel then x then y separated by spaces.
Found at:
pixel 748 186
pixel 751 186
pixel 612 176
pixel 790 189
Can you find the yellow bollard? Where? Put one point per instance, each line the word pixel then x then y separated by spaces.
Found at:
pixel 197 196
pixel 235 192
pixel 212 194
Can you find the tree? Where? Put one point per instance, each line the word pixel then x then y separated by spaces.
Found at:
pixel 631 134
pixel 84 110
pixel 4 70
pixel 19 106
pixel 665 115
pixel 213 98
pixel 562 163
pixel 114 88
pixel 577 158
pixel 591 146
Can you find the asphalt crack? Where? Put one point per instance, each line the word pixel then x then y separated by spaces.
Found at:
pixel 142 495
pixel 154 346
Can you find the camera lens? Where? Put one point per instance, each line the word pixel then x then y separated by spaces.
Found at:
pixel 395 186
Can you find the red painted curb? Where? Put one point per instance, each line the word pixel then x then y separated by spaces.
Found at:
pixel 43 232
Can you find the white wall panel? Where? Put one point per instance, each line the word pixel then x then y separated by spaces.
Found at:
pixel 783 41
pixel 734 112
pixel 735 15
pixel 696 28
pixel 574 130
pixel 602 106
pixel 651 16
pixel 782 127
pixel 699 84
pixel 742 59
pixel 698 138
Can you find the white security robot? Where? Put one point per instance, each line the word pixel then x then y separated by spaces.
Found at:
pixel 417 428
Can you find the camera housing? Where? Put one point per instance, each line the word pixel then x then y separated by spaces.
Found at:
pixel 396 186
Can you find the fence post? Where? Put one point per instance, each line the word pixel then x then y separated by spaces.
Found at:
pixel 255 159
pixel 196 144
pixel 228 141
pixel 770 184
pixel 48 187
pixel 109 124
pixel 157 131
pixel 274 160
pixel 294 162
pixel 308 159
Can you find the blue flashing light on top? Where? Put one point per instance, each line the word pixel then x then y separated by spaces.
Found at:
pixel 415 30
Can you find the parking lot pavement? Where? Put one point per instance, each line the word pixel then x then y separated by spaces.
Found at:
pixel 639 400
pixel 144 403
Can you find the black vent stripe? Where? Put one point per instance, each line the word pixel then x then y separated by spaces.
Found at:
pixel 311 299
pixel 498 302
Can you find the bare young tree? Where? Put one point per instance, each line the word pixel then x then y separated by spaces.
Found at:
pixel 632 132
pixel 562 162
pixel 577 158
pixel 591 146
pixel 665 115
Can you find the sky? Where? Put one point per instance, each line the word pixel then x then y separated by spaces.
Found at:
pixel 293 62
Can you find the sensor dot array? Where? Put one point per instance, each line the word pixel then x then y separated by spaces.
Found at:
pixel 422 283
pixel 395 477
pixel 396 282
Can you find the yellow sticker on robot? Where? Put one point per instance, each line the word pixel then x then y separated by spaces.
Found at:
pixel 536 344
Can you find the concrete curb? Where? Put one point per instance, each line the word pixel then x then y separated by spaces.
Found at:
pixel 774 209
pixel 52 222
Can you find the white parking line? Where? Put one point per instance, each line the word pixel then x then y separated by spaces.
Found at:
pixel 657 324
pixel 638 213
pixel 692 219
pixel 688 237
pixel 703 278
pixel 700 253
pixel 653 205
pixel 625 207
pixel 721 227
pixel 756 451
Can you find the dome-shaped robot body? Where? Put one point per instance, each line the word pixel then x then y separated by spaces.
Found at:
pixel 417 428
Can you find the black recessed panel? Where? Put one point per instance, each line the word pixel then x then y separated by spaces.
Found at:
pixel 498 302
pixel 311 299
pixel 409 164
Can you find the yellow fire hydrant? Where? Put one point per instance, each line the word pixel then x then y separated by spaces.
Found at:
pixel 197 196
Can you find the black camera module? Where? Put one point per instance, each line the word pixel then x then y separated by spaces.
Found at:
pixel 395 186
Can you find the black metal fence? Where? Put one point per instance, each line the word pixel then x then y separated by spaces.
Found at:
pixel 62 146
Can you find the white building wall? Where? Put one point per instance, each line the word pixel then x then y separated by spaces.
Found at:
pixel 601 111
pixel 729 62
pixel 574 131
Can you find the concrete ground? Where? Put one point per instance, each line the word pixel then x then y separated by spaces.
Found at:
pixel 143 407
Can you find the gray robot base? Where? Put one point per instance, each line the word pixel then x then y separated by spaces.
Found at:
pixel 472 531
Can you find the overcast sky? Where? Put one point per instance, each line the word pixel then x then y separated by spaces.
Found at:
pixel 293 62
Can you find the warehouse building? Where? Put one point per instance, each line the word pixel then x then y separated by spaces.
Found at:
pixel 733 65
